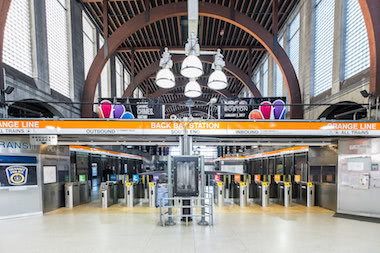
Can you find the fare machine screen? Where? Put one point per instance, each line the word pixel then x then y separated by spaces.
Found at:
pixel 186 176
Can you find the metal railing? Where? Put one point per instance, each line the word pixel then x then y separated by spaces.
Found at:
pixel 200 207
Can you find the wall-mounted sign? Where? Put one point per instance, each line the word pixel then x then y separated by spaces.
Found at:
pixel 43 139
pixel 217 178
pixel 50 174
pixel 155 178
pixel 257 178
pixel 237 178
pixel 18 175
pixel 135 178
pixel 253 108
pixel 94 169
pixel 131 108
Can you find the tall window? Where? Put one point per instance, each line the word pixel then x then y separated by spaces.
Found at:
pixel 264 78
pixel 58 51
pixel 278 79
pixel 256 78
pixel 323 45
pixel 127 79
pixel 17 50
pixel 105 86
pixel 89 43
pixel 293 42
pixel 118 72
pixel 356 48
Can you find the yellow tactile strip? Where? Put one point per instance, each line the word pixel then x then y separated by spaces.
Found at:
pixel 94 207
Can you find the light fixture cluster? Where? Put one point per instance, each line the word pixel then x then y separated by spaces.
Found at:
pixel 192 68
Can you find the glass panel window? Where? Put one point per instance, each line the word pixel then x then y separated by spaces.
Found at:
pixel 356 46
pixel 278 79
pixel 58 51
pixel 293 42
pixel 89 42
pixel 323 45
pixel 118 68
pixel 105 86
pixel 264 78
pixel 17 49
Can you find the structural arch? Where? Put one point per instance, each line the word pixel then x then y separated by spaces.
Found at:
pixel 346 110
pixel 205 9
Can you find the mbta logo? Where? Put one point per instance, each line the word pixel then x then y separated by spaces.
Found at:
pixel 17 175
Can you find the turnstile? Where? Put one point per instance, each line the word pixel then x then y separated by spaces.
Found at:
pixel 129 194
pixel 306 194
pixel 220 194
pixel 152 194
pixel 105 194
pixel 72 194
pixel 264 194
pixel 243 194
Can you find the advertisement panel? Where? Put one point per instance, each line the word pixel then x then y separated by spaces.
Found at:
pixel 131 108
pixel 253 108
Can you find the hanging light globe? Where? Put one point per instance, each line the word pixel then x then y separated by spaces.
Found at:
pixel 192 67
pixel 192 89
pixel 217 80
pixel 165 78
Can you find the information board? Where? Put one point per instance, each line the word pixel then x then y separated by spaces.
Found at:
pixel 18 175
pixel 50 174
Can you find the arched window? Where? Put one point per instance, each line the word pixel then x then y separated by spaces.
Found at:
pixel 264 78
pixel 356 46
pixel 58 49
pixel 323 45
pixel 17 50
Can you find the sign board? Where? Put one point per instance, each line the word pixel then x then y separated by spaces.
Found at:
pixel 94 169
pixel 155 178
pixel 277 178
pixel 254 108
pixel 135 178
pixel 18 175
pixel 43 139
pixel 297 178
pixel 257 178
pixel 237 178
pixel 197 128
pixel 131 108
pixel 217 178
pixel 50 174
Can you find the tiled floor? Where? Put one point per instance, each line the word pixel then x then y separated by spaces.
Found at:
pixel 88 228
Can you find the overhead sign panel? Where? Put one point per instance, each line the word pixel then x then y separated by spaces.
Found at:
pixel 168 127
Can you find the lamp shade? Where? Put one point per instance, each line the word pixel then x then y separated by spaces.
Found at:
pixel 192 67
pixel 192 89
pixel 217 80
pixel 165 78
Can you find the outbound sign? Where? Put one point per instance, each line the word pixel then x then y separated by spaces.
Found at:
pixel 254 108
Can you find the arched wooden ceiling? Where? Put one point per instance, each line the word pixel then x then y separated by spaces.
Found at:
pixel 238 46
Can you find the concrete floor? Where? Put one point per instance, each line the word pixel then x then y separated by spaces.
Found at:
pixel 88 228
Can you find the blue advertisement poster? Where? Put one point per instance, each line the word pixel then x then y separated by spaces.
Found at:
pixel 135 178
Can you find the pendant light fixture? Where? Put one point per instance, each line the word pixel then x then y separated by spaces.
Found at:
pixel 193 89
pixel 218 80
pixel 192 65
pixel 165 77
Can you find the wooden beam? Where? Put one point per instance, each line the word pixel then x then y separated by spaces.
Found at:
pixel 157 49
